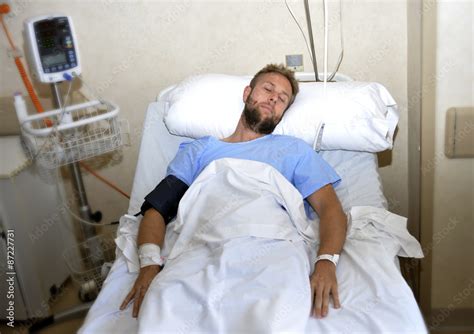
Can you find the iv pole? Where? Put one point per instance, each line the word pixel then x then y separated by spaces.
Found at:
pixel 88 230
pixel 85 211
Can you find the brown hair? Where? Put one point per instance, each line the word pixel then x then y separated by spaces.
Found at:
pixel 280 69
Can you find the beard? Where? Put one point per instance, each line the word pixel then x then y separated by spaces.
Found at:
pixel 255 121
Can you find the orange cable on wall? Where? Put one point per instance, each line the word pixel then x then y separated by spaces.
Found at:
pixel 101 178
pixel 5 9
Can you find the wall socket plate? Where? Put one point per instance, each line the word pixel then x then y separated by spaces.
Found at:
pixel 295 62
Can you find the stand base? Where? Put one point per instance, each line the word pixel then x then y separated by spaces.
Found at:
pixel 71 313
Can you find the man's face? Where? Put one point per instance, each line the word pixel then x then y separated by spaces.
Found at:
pixel 266 103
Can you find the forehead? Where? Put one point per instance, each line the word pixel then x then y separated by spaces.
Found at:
pixel 276 79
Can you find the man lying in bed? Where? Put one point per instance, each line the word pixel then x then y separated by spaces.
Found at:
pixel 270 93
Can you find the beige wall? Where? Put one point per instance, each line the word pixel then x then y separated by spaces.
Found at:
pixel 133 49
pixel 453 225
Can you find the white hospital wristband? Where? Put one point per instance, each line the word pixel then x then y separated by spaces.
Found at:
pixel 334 258
pixel 150 254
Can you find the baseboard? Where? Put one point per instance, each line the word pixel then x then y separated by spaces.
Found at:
pixel 452 320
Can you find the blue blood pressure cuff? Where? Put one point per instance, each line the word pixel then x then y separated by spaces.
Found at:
pixel 165 197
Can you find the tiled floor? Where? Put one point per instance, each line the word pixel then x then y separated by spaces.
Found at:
pixel 66 301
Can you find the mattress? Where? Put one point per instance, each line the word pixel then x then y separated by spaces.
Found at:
pixel 374 296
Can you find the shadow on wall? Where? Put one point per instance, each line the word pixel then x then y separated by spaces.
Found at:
pixel 385 158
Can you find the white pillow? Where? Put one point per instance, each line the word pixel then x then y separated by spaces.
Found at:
pixel 350 115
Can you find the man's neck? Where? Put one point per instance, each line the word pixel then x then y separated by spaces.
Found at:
pixel 242 133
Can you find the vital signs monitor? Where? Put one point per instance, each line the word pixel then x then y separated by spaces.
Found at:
pixel 52 46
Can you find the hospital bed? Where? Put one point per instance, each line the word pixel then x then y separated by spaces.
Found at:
pixel 375 297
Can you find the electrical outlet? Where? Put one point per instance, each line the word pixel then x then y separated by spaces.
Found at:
pixel 295 62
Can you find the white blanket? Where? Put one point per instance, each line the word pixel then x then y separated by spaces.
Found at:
pixel 239 258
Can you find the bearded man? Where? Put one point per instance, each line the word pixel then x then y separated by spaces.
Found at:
pixel 269 94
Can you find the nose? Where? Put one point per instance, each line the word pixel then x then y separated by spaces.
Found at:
pixel 273 98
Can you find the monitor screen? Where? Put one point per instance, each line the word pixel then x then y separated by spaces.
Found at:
pixel 54 59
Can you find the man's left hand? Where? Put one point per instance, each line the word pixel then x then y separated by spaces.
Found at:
pixel 323 285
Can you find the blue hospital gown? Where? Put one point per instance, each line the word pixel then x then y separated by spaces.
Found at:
pixel 292 157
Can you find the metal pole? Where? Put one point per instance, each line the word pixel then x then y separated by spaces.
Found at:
pixel 77 182
pixel 94 252
pixel 80 191
pixel 311 40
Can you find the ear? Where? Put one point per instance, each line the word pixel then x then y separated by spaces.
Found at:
pixel 247 92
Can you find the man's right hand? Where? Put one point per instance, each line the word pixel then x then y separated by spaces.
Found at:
pixel 143 281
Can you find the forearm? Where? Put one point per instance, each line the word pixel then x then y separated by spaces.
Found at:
pixel 152 229
pixel 332 234
pixel 332 231
pixel 332 220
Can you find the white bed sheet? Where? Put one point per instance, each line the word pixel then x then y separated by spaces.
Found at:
pixel 374 295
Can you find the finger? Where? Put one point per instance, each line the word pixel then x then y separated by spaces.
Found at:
pixel 138 301
pixel 318 302
pixel 335 297
pixel 325 302
pixel 127 299
pixel 136 304
pixel 312 299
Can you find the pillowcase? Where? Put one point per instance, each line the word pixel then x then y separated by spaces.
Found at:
pixel 357 116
